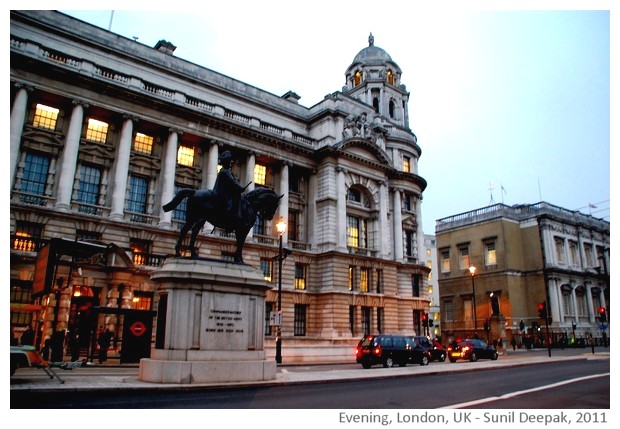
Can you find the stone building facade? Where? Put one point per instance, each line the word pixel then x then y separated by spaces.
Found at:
pixel 524 255
pixel 105 130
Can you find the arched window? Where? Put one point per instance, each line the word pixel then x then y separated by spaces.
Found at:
pixel 392 108
pixel 375 104
pixel 390 77
pixel 357 79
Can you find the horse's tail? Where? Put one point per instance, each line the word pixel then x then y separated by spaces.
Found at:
pixel 180 196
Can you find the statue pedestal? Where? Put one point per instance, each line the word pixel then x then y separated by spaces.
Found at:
pixel 210 324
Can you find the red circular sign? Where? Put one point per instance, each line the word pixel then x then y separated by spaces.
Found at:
pixel 138 328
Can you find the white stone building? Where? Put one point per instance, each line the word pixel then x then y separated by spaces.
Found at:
pixel 105 129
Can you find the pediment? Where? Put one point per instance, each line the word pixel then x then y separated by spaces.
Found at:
pixel 366 150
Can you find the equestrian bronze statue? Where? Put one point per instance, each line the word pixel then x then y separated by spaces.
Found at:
pixel 225 206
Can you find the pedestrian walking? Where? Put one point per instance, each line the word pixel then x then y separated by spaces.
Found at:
pixel 513 343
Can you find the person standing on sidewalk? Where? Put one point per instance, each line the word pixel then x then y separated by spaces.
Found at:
pixel 104 340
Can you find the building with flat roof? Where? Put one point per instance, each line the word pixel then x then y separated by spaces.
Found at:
pixel 520 257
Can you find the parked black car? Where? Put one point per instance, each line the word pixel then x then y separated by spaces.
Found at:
pixel 436 349
pixel 389 350
pixel 472 349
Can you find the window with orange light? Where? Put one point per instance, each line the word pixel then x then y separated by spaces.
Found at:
pixel 185 156
pixel 260 174
pixel 140 249
pixel 142 300
pixel 96 131
pixel 143 143
pixel 45 117
pixel 27 236
pixel 300 276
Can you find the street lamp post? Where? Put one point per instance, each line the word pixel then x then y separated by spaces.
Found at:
pixel 281 228
pixel 472 270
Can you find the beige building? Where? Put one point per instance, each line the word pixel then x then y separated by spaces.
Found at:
pixel 105 129
pixel 523 255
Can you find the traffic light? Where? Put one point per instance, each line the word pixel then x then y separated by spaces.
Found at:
pixel 542 310
pixel 602 315
pixel 430 322
pixel 424 320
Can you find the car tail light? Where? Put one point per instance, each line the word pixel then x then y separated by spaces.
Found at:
pixel 465 348
pixel 377 350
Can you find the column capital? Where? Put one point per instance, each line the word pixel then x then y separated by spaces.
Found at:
pixel 175 130
pixel 132 118
pixel 22 85
pixel 82 103
pixel 341 169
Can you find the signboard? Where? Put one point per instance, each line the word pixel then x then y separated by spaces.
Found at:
pixel 44 271
pixel 48 258
pixel 275 318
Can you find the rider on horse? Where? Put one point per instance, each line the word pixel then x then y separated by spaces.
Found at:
pixel 227 191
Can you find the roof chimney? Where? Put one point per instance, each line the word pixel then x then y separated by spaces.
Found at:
pixel 165 46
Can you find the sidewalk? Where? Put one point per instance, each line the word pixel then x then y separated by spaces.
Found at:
pixel 88 379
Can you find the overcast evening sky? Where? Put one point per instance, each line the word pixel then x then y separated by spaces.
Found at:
pixel 508 106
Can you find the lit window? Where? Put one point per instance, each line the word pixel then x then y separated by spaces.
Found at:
pixel 445 261
pixel 353 231
pixel 364 280
pixel 300 276
pixel 351 277
pixel 45 117
pixel 97 131
pixel 379 280
pixel 464 258
pixel 141 300
pixel 358 78
pixel 186 156
pixel 406 164
pixel 143 143
pixel 490 255
pixel 27 236
pixel 140 249
pixel 260 174
pixel 390 77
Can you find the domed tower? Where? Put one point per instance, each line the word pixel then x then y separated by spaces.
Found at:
pixel 374 78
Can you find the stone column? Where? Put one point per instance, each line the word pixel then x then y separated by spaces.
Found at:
pixel 121 171
pixel 168 175
pixel 283 207
pixel 311 214
pixel 68 165
pixel 398 227
pixel 341 224
pixel 592 309
pixel 419 229
pixel 554 300
pixel 384 249
pixel 211 174
pixel 18 118
pixel 249 177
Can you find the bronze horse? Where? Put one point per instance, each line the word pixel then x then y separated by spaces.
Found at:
pixel 202 207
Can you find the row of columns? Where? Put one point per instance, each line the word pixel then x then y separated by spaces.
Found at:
pixel 397 248
pixel 557 309
pixel 69 158
pixel 121 172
